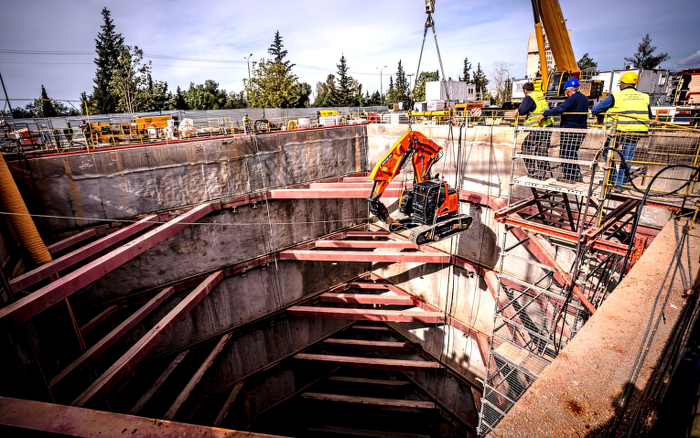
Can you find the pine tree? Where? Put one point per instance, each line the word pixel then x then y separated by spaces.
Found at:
pixel 272 83
pixel 644 58
pixel 466 75
pixel 108 45
pixel 178 101
pixel 401 91
pixel 390 92
pixel 587 64
pixel 480 79
pixel 345 90
pixel 47 105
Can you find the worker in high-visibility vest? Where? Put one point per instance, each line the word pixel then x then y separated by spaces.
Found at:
pixel 574 114
pixel 536 142
pixel 247 124
pixel 630 110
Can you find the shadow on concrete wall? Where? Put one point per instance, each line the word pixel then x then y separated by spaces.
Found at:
pixel 480 242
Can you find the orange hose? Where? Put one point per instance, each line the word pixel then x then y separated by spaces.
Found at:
pixel 20 219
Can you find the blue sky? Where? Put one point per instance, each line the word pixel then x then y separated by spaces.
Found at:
pixel 371 34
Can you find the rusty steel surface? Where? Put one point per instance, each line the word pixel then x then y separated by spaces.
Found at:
pixel 337 193
pixel 25 308
pixel 48 269
pixel 365 256
pixel 80 422
pixel 138 351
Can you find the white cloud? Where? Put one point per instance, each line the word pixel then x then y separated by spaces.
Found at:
pixel 690 62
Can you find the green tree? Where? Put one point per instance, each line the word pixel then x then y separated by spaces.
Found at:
pixel 587 64
pixel 129 80
pixel 376 99
pixel 644 58
pixel 401 88
pixel 423 77
pixel 272 83
pixel 46 104
pixel 205 96
pixel 390 94
pixel 326 93
pixel 109 46
pixel 155 94
pixel 236 100
pixel 466 72
pixel 177 101
pixel 480 79
pixel 345 90
pixel 302 93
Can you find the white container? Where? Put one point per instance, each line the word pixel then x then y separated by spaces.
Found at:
pixel 455 90
pixel 399 118
pixel 304 122
pixel 329 120
pixel 436 105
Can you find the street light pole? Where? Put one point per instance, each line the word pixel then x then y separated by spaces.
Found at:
pixel 381 88
pixel 247 58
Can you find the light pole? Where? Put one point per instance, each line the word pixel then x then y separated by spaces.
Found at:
pixel 381 89
pixel 247 93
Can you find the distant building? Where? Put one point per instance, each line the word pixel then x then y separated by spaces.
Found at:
pixel 532 65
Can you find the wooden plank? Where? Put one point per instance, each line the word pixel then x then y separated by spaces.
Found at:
pixel 372 363
pixel 330 430
pixel 158 383
pixel 365 256
pixel 365 244
pixel 139 350
pixel 386 300
pixel 59 419
pixel 55 266
pixel 383 382
pixel 103 344
pixel 229 401
pixel 368 314
pixel 177 404
pixel 25 308
pixel 94 322
pixel 369 345
pixel 389 402
pixel 72 240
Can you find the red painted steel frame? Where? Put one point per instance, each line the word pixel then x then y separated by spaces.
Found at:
pixel 367 314
pixel 366 244
pixel 73 421
pixel 139 350
pixel 23 309
pixel 339 193
pixel 365 256
pixel 80 254
pixel 74 239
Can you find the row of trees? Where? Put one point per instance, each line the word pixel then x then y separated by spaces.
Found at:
pixel 124 83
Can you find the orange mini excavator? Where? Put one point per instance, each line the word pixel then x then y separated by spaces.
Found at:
pixel 431 208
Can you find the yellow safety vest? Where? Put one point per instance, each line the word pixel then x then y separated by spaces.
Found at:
pixel 542 105
pixel 632 102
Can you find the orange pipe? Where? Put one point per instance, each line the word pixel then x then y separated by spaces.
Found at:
pixel 20 219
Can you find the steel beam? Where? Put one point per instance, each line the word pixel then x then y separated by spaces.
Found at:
pixel 368 233
pixel 139 350
pixel 357 185
pixel 372 363
pixel 158 383
pixel 74 239
pixel 55 266
pixel 328 193
pixel 391 402
pixel 362 285
pixel 25 308
pixel 365 256
pixel 99 318
pixel 103 344
pixel 364 344
pixel 366 244
pixel 368 314
pixel 177 404
pixel 80 422
pixel 385 300
pixel 227 404
pixel 362 380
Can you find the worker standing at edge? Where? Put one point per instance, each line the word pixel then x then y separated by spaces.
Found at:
pixel 574 114
pixel 627 101
pixel 247 124
pixel 536 142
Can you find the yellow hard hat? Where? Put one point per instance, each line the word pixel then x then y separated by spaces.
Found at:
pixel 630 78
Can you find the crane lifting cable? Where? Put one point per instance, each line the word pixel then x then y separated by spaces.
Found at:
pixel 430 23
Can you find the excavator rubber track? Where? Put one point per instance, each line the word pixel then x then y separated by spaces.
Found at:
pixel 424 233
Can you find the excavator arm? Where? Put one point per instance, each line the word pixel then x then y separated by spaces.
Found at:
pixel 413 146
